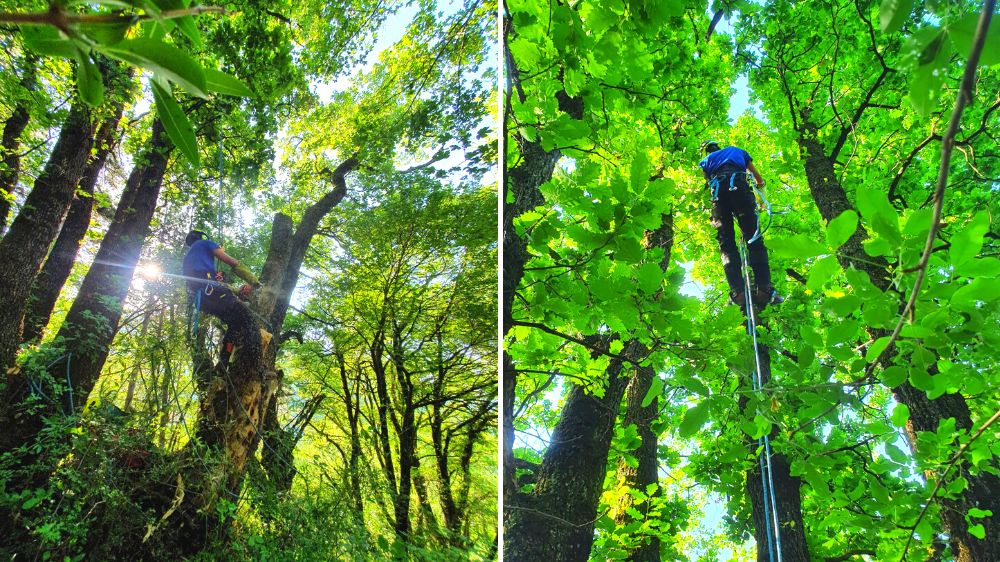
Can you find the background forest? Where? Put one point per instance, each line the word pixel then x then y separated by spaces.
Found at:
pixel 632 429
pixel 344 151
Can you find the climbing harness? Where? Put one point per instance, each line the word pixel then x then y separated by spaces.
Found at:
pixel 714 184
pixel 771 523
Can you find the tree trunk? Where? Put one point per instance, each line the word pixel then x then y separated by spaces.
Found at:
pixel 280 274
pixel 555 522
pixel 10 145
pixel 352 406
pixel 92 321
pixel 983 491
pixel 407 462
pixel 428 518
pixel 522 183
pixel 27 242
pixel 52 277
pixel 645 473
pixel 787 492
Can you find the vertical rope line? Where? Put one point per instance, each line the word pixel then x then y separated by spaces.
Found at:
pixel 758 381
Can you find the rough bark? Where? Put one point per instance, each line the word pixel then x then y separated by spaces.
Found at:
pixel 406 433
pixel 983 491
pixel 92 321
pixel 645 472
pixel 53 275
pixel 10 143
pixel 555 522
pixel 24 247
pixel 522 182
pixel 304 233
pixel 280 274
pixel 787 492
pixel 352 406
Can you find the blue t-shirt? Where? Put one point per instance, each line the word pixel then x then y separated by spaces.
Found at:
pixel 728 155
pixel 200 259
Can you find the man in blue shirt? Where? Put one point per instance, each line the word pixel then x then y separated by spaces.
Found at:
pixel 733 200
pixel 205 286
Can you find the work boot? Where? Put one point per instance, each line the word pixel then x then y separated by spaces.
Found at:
pixel 766 296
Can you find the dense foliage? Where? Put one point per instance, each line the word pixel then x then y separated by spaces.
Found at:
pixel 351 164
pixel 630 421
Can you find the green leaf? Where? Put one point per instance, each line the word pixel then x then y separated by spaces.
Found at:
pixel 925 88
pixel 638 175
pixel 176 123
pixel 46 40
pixel 979 290
pixel 892 14
pixel 900 414
pixel 874 204
pixel 921 379
pixel 694 418
pixel 977 531
pixel 655 388
pixel 968 239
pixel 88 81
pixel 844 306
pixel 628 249
pixel 650 277
pixel 893 376
pixel 823 270
pixel 32 501
pixel 164 60
pixel 190 30
pixel 106 34
pixel 841 228
pixel 980 267
pixel 962 31
pixel 876 348
pixel 223 83
pixel 798 246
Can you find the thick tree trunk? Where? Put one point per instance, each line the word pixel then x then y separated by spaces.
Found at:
pixel 92 321
pixel 384 410
pixel 644 473
pixel 983 491
pixel 522 183
pixel 555 522
pixel 10 144
pixel 27 242
pixel 53 275
pixel 787 493
pixel 352 406
pixel 428 519
pixel 280 274
pixel 407 461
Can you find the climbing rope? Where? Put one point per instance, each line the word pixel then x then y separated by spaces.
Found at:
pixel 771 520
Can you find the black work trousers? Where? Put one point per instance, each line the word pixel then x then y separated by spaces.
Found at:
pixel 739 206
pixel 221 302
